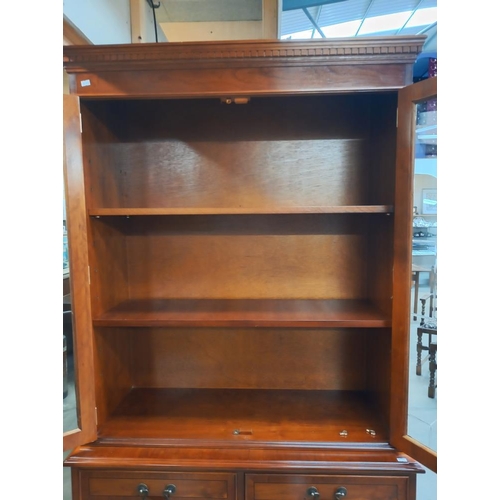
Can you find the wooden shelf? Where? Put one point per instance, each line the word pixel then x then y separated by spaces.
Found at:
pixel 246 312
pixel 260 416
pixel 340 209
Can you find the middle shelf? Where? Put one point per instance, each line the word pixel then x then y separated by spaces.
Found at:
pixel 275 270
pixel 269 210
pixel 245 312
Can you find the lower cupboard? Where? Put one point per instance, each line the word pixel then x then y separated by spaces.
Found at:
pixel 99 484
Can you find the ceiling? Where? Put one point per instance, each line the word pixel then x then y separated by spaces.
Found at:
pixel 300 19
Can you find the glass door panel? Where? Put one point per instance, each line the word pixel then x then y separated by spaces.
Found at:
pixel 422 376
pixel 414 368
pixel 70 410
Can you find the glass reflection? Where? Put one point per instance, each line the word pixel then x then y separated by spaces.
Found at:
pixel 70 414
pixel 422 404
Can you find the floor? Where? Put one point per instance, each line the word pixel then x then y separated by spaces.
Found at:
pixel 422 412
pixel 422 418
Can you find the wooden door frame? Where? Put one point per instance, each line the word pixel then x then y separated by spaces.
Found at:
pixel 407 98
pixel 76 215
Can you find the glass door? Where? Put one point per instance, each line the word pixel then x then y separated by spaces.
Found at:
pixel 414 416
pixel 79 424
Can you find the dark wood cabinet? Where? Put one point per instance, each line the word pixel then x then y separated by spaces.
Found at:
pixel 235 243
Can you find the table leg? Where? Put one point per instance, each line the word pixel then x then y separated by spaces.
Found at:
pixel 415 298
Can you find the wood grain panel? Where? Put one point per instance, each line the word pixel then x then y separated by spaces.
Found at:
pixel 249 358
pixel 234 82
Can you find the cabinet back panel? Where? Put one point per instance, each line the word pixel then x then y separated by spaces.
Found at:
pixel 235 267
pixel 380 259
pixel 248 358
pixel 258 257
pixel 308 256
pixel 272 152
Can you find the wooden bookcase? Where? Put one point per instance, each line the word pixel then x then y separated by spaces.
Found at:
pixel 233 235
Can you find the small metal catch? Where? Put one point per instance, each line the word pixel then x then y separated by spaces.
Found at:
pixel 343 433
pixel 239 432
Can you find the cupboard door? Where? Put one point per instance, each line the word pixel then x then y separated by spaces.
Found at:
pixel 84 428
pixel 412 136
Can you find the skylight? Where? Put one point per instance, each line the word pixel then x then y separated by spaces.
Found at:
pixel 372 25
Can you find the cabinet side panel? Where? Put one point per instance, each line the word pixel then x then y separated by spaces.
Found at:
pixel 250 359
pixel 102 125
pixel 378 369
pixel 108 269
pixel 381 180
pixel 383 123
pixel 113 369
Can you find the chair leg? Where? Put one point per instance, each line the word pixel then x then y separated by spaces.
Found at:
pixel 419 352
pixel 432 368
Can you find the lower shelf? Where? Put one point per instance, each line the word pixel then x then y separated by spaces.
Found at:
pixel 234 416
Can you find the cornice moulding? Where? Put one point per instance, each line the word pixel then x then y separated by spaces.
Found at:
pixel 396 49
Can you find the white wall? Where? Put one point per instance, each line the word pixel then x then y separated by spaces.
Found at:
pixel 101 21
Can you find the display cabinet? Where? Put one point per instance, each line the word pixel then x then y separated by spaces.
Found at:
pixel 235 242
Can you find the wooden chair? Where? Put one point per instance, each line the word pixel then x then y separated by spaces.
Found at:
pixel 415 277
pixel 428 326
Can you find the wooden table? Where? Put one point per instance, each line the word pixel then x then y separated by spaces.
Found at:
pixel 416 270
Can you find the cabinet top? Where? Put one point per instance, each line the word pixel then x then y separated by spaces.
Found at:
pixel 335 50
pixel 243 67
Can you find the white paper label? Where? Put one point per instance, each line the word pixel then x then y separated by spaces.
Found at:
pixel 85 83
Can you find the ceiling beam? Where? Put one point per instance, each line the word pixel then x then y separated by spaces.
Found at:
pixel 313 22
pixel 364 17
pixel 409 17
